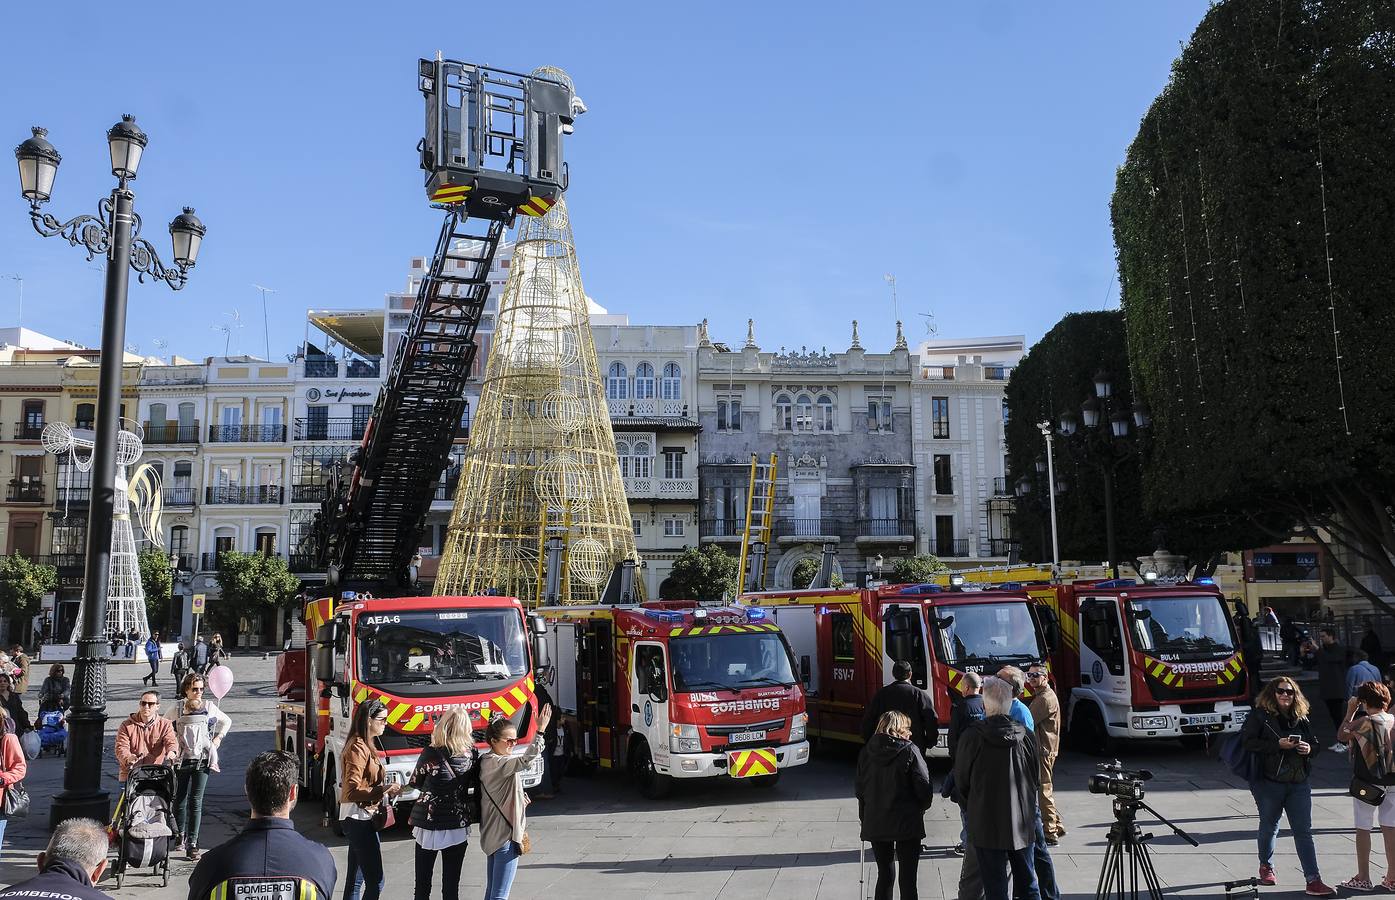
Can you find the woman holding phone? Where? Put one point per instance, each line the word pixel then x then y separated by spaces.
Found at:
pixel 1278 732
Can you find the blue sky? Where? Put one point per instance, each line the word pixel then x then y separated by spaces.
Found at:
pixel 757 159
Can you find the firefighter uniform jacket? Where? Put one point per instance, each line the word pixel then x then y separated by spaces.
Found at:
pixel 270 860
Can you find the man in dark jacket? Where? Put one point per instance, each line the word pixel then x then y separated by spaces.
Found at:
pixel 76 858
pixel 962 716
pixel 269 852
pixel 996 779
pixel 909 700
pixel 893 792
pixel 1332 668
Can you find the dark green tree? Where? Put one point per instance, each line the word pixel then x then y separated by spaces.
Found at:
pixel 157 584
pixel 1253 218
pixel 250 585
pixel 23 585
pixel 804 572
pixel 708 573
pixel 917 569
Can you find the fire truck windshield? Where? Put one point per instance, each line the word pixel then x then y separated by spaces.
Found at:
pixel 982 633
pixel 1181 627
pixel 730 662
pixel 437 647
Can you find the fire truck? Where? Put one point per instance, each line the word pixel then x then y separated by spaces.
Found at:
pixel 419 656
pixel 671 690
pixel 846 642
pixel 1147 661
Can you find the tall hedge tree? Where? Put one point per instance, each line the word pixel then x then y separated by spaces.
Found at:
pixel 1254 218
pixel 158 586
pixel 250 585
pixel 23 585
pixel 708 573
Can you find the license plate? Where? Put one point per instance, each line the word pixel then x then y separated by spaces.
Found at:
pixel 1203 719
pixel 746 737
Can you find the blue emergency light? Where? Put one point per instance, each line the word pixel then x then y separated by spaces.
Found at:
pixel 1205 579
pixel 755 614
pixel 1117 583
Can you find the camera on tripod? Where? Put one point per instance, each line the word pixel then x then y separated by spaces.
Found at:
pixel 1112 779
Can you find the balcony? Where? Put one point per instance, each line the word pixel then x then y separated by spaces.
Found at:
pixel 262 494
pixel 67 562
pixel 28 492
pixel 721 529
pixel 246 434
pixel 1003 546
pixel 886 531
pixel 446 489
pixel 309 493
pixel 180 496
pixel 172 434
pixel 950 548
pixel 661 488
pixel 1001 489
pixel 303 562
pixel 799 531
pixel 71 496
pixel 28 431
pixel 184 562
pixel 210 562
pixel 329 429
pixel 363 368
pixel 321 367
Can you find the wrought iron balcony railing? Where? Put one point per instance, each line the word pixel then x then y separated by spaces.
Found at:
pixel 252 495
pixel 246 434
pixel 172 434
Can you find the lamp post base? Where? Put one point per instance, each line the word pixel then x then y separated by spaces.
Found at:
pixel 73 804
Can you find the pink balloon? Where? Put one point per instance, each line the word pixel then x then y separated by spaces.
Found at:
pixel 220 680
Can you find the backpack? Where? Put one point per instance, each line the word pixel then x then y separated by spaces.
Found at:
pixel 180 661
pixel 471 792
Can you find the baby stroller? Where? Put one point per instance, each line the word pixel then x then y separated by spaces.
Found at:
pixel 53 732
pixel 144 822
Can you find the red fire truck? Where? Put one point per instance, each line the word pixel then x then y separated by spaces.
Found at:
pixel 670 690
pixel 1147 661
pixel 418 655
pixel 846 641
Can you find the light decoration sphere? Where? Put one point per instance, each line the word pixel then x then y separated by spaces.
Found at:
pixel 128 448
pixel 57 437
pixel 562 482
pixel 563 411
pixel 589 561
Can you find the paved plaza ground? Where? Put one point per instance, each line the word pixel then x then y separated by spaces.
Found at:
pixel 726 839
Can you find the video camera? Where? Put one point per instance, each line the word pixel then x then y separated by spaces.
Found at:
pixel 1112 779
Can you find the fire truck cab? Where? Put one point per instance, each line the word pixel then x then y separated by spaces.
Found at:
pixel 1148 661
pixel 668 690
pixel 846 642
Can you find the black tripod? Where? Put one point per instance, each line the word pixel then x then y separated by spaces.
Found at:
pixel 1125 839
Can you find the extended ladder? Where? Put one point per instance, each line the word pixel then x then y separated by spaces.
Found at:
pixel 755 540
pixel 369 528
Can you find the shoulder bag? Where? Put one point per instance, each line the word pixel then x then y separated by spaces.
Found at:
pixel 16 802
pixel 384 814
pixel 525 846
pixel 1362 789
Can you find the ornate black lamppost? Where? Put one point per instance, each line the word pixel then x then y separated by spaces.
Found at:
pixel 114 233
pixel 1106 448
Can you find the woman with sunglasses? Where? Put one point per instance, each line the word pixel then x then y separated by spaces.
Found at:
pixel 1278 732
pixel 363 786
pixel 200 727
pixel 502 807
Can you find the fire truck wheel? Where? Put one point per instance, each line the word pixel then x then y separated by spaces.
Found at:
pixel 328 795
pixel 652 784
pixel 1088 733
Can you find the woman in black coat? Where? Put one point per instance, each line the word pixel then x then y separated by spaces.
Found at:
pixel 440 820
pixel 893 793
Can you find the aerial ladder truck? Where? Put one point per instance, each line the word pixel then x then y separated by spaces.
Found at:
pixel 492 150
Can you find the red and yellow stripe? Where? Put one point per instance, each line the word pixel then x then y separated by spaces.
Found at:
pixel 536 206
pixel 1164 672
pixel 752 763
pixel 402 717
pixel 720 629
pixel 451 193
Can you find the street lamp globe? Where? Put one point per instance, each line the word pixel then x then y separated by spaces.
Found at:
pixel 1119 424
pixel 1142 418
pixel 1090 413
pixel 1069 422
pixel 38 164
pixel 186 232
pixel 127 143
pixel 1104 385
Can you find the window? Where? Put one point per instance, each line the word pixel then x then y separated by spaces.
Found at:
pixel 844 642
pixel 179 540
pixel 729 413
pixel 944 477
pixel 266 542
pixel 157 414
pixel 86 415
pixel 186 415
pixel 636 527
pixel 673 462
pixel 362 413
pixel 643 459
pixel 784 413
pixel 622 450
pixel 316 423
pixel 881 503
pixel 644 381
pixel 672 386
pixel 1005 411
pixel 617 383
pixel 69 535
pixel 825 418
pixel 224 541
pixel 804 413
pixel 939 417
pixel 183 474
pixel 878 413
pixel 673 527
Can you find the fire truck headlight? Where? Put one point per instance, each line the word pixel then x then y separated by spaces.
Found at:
pixel 684 739
pixel 799 728
pixel 1146 723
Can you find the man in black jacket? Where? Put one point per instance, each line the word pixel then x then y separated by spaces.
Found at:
pixel 76 858
pixel 996 780
pixel 911 701
pixel 269 853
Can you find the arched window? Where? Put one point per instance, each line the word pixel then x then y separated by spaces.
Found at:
pixel 672 386
pixel 804 413
pixel 825 419
pixel 617 382
pixel 643 459
pixel 157 415
pixel 186 415
pixel 784 413
pixel 644 381
pixel 622 450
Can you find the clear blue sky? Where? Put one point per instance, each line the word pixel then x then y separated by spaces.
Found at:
pixel 738 159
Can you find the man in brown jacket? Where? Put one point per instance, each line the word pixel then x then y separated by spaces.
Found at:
pixel 1046 713
pixel 145 738
pixel 21 662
